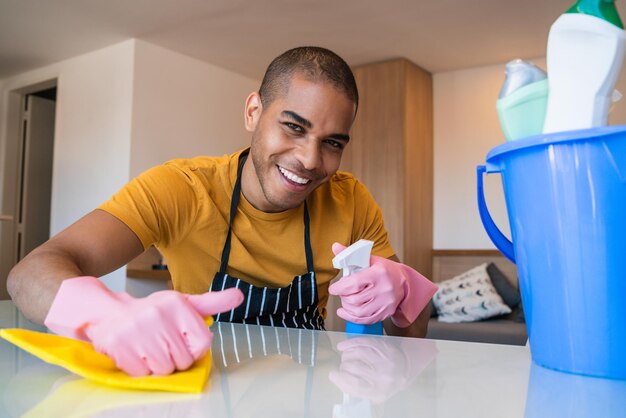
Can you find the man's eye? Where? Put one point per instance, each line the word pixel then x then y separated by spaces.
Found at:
pixel 334 144
pixel 293 127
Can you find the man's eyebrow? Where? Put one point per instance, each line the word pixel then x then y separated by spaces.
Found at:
pixel 297 118
pixel 340 137
pixel 307 124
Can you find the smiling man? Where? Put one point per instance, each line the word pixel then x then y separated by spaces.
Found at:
pixel 248 237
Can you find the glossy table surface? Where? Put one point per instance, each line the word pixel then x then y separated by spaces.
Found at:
pixel 276 372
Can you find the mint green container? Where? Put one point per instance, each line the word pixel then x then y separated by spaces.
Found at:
pixel 523 112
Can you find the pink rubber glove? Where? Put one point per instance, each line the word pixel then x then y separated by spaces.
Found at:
pixel 158 334
pixel 385 289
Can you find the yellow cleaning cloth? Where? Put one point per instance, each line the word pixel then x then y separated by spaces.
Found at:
pixel 80 358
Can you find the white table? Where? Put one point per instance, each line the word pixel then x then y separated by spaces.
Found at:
pixel 276 372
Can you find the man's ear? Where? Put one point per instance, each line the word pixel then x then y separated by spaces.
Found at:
pixel 253 111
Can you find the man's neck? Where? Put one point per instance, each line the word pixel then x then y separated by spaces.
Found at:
pixel 251 187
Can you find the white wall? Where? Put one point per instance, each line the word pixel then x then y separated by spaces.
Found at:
pixel 3 104
pixel 92 132
pixel 466 127
pixel 125 108
pixel 184 107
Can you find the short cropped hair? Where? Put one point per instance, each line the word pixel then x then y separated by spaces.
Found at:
pixel 315 64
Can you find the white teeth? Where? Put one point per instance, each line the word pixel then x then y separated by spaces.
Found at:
pixel 291 176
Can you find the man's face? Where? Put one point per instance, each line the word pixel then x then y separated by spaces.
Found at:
pixel 297 143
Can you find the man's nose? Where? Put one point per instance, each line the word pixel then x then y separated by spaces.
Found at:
pixel 311 154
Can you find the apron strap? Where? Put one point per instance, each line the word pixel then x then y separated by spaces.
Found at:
pixel 234 201
pixel 307 239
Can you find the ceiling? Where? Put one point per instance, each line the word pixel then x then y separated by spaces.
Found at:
pixel 243 36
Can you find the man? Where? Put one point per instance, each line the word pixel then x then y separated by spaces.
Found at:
pixel 255 227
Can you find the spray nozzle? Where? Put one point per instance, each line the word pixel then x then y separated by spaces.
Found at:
pixel 519 73
pixel 354 258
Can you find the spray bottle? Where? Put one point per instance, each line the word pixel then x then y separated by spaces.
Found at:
pixel 522 101
pixel 354 258
pixel 585 54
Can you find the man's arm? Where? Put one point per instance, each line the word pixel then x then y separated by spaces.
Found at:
pixel 418 328
pixel 95 245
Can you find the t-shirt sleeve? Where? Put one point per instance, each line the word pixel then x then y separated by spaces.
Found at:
pixel 369 223
pixel 158 205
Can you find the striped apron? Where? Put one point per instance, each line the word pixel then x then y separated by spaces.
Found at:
pixel 293 306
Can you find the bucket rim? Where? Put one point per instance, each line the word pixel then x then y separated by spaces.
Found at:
pixel 554 138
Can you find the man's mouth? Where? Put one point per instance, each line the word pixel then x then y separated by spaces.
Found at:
pixel 293 177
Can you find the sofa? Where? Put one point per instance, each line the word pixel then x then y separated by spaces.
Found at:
pixel 503 329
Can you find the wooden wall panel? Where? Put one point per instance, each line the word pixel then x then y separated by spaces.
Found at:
pixel 376 147
pixel 418 169
pixel 392 153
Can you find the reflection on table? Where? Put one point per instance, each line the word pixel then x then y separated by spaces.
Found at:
pixel 277 372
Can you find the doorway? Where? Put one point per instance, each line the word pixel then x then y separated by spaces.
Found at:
pixel 27 175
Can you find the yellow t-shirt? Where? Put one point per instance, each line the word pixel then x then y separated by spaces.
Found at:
pixel 182 208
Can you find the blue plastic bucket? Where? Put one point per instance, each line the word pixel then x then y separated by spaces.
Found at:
pixel 566 200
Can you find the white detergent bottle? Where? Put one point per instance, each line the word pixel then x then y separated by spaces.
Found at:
pixel 584 58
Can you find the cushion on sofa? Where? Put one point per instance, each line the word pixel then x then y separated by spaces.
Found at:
pixel 433 310
pixel 469 297
pixel 509 293
pixel 518 314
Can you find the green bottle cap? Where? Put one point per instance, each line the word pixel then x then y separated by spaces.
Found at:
pixel 604 9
